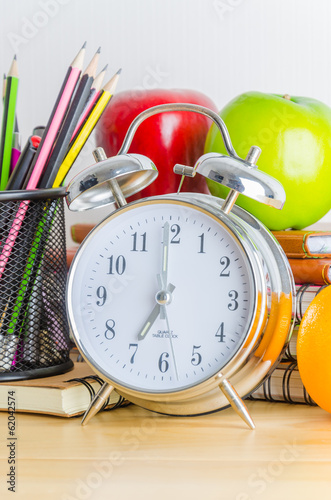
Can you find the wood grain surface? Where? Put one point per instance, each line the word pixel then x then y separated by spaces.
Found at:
pixel 133 453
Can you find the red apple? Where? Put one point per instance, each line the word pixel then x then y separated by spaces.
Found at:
pixel 166 138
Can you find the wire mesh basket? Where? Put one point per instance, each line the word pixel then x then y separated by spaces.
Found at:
pixel 34 332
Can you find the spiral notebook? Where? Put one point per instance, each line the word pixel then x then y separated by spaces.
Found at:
pixel 65 395
pixel 284 385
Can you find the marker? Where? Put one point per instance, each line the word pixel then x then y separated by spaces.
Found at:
pixel 17 178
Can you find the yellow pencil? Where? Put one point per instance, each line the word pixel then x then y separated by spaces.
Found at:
pixel 87 128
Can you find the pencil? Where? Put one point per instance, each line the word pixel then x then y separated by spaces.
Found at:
pixel 69 124
pixel 44 148
pixel 55 123
pixel 8 122
pixel 86 129
pixel 94 94
pixel 56 119
pixel 4 86
pixel 48 175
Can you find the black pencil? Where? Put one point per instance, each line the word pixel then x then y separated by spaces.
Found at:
pixel 55 121
pixel 69 124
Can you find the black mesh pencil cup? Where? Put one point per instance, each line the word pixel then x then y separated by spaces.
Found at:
pixel 34 332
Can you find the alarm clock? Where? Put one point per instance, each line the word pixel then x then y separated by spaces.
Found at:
pixel 182 303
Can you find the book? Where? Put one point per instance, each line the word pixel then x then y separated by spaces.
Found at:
pixel 291 349
pixel 304 296
pixel 305 244
pixel 64 395
pixel 283 385
pixel 314 271
pixel 305 293
pixel 80 231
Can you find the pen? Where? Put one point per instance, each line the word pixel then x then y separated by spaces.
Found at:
pixel 18 176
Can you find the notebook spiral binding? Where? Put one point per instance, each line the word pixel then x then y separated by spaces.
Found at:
pixel 286 389
pixel 290 352
pixel 300 294
pixel 84 380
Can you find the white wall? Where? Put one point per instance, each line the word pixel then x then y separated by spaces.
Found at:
pixel 219 47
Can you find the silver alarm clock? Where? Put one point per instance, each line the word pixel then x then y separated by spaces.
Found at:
pixel 182 303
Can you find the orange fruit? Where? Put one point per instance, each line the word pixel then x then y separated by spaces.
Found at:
pixel 314 349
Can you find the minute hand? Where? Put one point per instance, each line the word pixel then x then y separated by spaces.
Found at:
pixel 165 255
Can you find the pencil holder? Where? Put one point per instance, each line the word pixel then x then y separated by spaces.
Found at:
pixel 34 333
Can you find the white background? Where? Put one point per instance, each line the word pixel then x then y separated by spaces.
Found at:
pixel 219 47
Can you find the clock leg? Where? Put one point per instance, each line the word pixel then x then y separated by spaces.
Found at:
pixel 236 402
pixel 97 402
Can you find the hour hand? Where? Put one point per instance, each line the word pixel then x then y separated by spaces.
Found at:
pixel 163 297
pixel 150 321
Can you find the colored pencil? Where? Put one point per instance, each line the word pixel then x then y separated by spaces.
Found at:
pixel 4 86
pixel 94 94
pixel 8 122
pixel 86 129
pixel 27 288
pixel 69 124
pixel 56 119
pixel 43 151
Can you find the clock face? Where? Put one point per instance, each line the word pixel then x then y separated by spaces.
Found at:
pixel 161 296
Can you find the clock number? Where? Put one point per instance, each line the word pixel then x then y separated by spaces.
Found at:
pixel 233 305
pixel 225 261
pixel 118 266
pixel 220 332
pixel 175 228
pixel 135 243
pixel 202 243
pixel 135 346
pixel 102 295
pixel 163 363
pixel 196 356
pixel 110 332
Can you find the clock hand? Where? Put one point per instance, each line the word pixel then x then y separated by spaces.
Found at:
pixel 149 322
pixel 161 297
pixel 164 295
pixel 165 255
pixel 170 338
pixel 167 297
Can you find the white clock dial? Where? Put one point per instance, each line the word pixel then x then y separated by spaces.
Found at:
pixel 160 317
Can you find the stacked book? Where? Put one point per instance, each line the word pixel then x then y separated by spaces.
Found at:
pixel 309 255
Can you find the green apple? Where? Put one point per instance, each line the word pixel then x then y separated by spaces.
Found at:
pixel 294 134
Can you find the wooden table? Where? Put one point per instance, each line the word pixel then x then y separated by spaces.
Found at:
pixel 133 453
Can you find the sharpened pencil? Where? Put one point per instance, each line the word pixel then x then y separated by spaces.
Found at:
pixel 69 124
pixel 4 86
pixel 85 131
pixel 56 119
pixel 45 147
pixel 94 94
